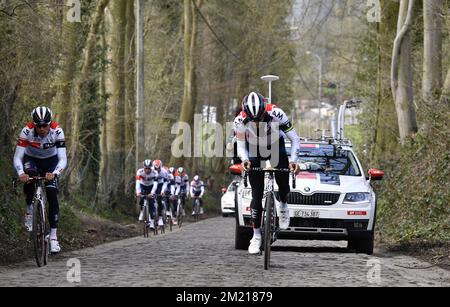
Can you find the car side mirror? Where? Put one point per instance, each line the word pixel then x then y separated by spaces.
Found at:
pixel 235 169
pixel 375 174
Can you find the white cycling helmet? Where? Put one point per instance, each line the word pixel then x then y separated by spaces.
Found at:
pixel 180 170
pixel 254 106
pixel 171 170
pixel 147 163
pixel 196 178
pixel 42 116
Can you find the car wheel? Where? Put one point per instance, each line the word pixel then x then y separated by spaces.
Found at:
pixel 362 245
pixel 224 215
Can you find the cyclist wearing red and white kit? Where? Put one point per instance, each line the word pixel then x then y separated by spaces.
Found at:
pixel 41 151
pixel 145 178
pixel 260 131
pixel 159 188
pixel 171 194
pixel 182 180
pixel 197 191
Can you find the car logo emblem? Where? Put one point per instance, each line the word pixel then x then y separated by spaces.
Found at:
pixel 307 189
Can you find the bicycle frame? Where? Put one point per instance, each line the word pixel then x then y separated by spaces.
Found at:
pixel 270 225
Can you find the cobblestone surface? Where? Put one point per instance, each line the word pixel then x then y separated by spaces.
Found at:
pixel 203 255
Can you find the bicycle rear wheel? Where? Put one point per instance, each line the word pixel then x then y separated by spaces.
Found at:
pixel 268 226
pixel 38 234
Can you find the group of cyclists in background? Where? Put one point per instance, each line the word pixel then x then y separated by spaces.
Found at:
pixel 165 186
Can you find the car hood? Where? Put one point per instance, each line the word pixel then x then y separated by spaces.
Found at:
pixel 308 183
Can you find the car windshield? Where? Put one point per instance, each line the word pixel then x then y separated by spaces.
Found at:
pixel 328 159
pixel 231 187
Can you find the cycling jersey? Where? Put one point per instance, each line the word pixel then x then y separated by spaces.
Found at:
pixel 197 188
pixel 183 180
pixel 249 132
pixel 144 181
pixel 160 182
pixel 171 184
pixel 32 145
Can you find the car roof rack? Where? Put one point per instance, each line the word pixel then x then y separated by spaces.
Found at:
pixel 339 139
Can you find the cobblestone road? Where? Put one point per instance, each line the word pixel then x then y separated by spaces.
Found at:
pixel 203 254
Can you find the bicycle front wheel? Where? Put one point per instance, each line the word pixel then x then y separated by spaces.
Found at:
pixel 179 215
pixel 38 234
pixel 145 212
pixel 268 226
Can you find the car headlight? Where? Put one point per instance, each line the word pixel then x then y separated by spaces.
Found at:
pixel 357 197
pixel 247 193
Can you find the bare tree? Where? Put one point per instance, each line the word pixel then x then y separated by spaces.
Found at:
pixel 402 72
pixel 432 68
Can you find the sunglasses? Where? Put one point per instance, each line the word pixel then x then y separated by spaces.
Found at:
pixel 42 126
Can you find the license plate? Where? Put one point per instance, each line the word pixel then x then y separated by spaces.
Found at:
pixel 307 214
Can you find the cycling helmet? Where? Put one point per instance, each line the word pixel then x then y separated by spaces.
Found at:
pixel 180 170
pixel 254 106
pixel 196 178
pixel 171 170
pixel 42 116
pixel 157 164
pixel 147 163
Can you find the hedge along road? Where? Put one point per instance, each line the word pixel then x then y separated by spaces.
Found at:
pixel 202 255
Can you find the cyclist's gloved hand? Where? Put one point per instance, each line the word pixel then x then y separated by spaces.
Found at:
pixel 294 167
pixel 49 176
pixel 246 165
pixel 24 178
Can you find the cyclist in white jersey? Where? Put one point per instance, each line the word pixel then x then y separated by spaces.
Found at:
pixel 41 151
pixel 260 132
pixel 197 191
pixel 159 188
pixel 183 186
pixel 145 178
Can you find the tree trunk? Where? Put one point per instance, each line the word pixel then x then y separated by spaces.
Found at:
pixel 115 87
pixel 140 109
pixel 84 80
pixel 432 68
pixel 445 97
pixel 402 74
pixel 130 104
pixel 70 57
pixel 189 96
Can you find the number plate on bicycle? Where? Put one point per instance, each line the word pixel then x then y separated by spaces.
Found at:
pixel 307 214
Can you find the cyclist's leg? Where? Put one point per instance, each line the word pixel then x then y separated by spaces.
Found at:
pixel 30 168
pixel 173 207
pixel 160 205
pixel 152 210
pixel 48 166
pixel 257 183
pixel 283 178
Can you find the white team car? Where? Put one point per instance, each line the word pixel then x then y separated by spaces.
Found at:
pixel 228 197
pixel 333 199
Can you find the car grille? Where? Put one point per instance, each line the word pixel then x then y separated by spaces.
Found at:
pixel 317 199
pixel 329 223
